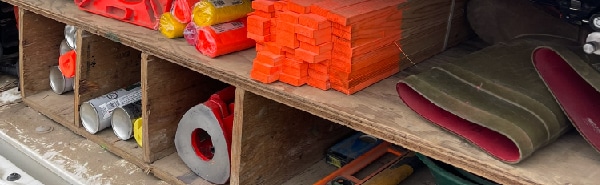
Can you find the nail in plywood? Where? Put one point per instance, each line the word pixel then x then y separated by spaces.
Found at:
pixel 39 42
pixel 168 91
pixel 102 67
pixel 275 142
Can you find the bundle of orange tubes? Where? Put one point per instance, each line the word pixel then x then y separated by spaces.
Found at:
pixel 214 27
pixel 346 45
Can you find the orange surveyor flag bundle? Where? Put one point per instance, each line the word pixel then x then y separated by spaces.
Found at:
pixel 66 64
pixel 223 38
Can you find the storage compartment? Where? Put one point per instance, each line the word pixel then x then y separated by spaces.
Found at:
pixel 39 43
pixel 275 142
pixel 169 91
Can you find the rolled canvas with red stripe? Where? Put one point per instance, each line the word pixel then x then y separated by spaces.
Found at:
pixel 575 83
pixel 491 99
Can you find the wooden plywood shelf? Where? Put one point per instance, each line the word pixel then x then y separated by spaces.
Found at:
pixel 50 103
pixel 376 110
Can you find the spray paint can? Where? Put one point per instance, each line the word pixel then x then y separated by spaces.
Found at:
pixel 95 114
pixel 64 47
pixel 122 119
pixel 71 36
pixel 58 82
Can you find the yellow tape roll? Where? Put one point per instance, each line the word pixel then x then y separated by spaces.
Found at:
pixel 137 131
pixel 170 27
pixel 211 12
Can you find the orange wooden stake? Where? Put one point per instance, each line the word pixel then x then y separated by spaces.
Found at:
pixel 286 26
pixel 280 5
pixel 317 40
pixel 287 16
pixel 259 38
pixel 322 8
pixel 295 63
pixel 274 48
pixel 263 14
pixel 311 32
pixel 361 11
pixel 288 39
pixel 267 57
pixel 259 25
pixel 323 85
pixel 322 67
pixel 265 68
pixel 259 47
pixel 325 47
pixel 364 84
pixel 318 75
pixel 292 80
pixel 301 6
pixel 264 78
pixel 297 72
pixel 313 21
pixel 263 5
pixel 312 57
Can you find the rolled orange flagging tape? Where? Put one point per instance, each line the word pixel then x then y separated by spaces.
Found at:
pixel 203 137
pixel 224 38
pixel 66 63
pixel 182 10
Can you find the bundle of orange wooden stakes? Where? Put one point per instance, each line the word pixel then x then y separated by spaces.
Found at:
pixel 346 45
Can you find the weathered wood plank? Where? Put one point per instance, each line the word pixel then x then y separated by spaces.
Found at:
pixel 173 170
pixel 56 107
pixel 275 142
pixel 168 91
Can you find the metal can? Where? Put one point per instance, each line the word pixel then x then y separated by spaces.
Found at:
pixel 122 119
pixel 58 82
pixel 64 47
pixel 71 36
pixel 95 114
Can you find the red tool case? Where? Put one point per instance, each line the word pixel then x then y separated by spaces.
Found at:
pixel 139 12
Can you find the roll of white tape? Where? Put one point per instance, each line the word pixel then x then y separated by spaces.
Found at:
pixel 201 144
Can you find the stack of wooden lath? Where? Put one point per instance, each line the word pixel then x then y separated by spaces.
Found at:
pixel 348 45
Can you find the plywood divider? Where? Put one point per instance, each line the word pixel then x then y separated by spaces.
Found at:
pixel 273 142
pixel 102 67
pixel 169 90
